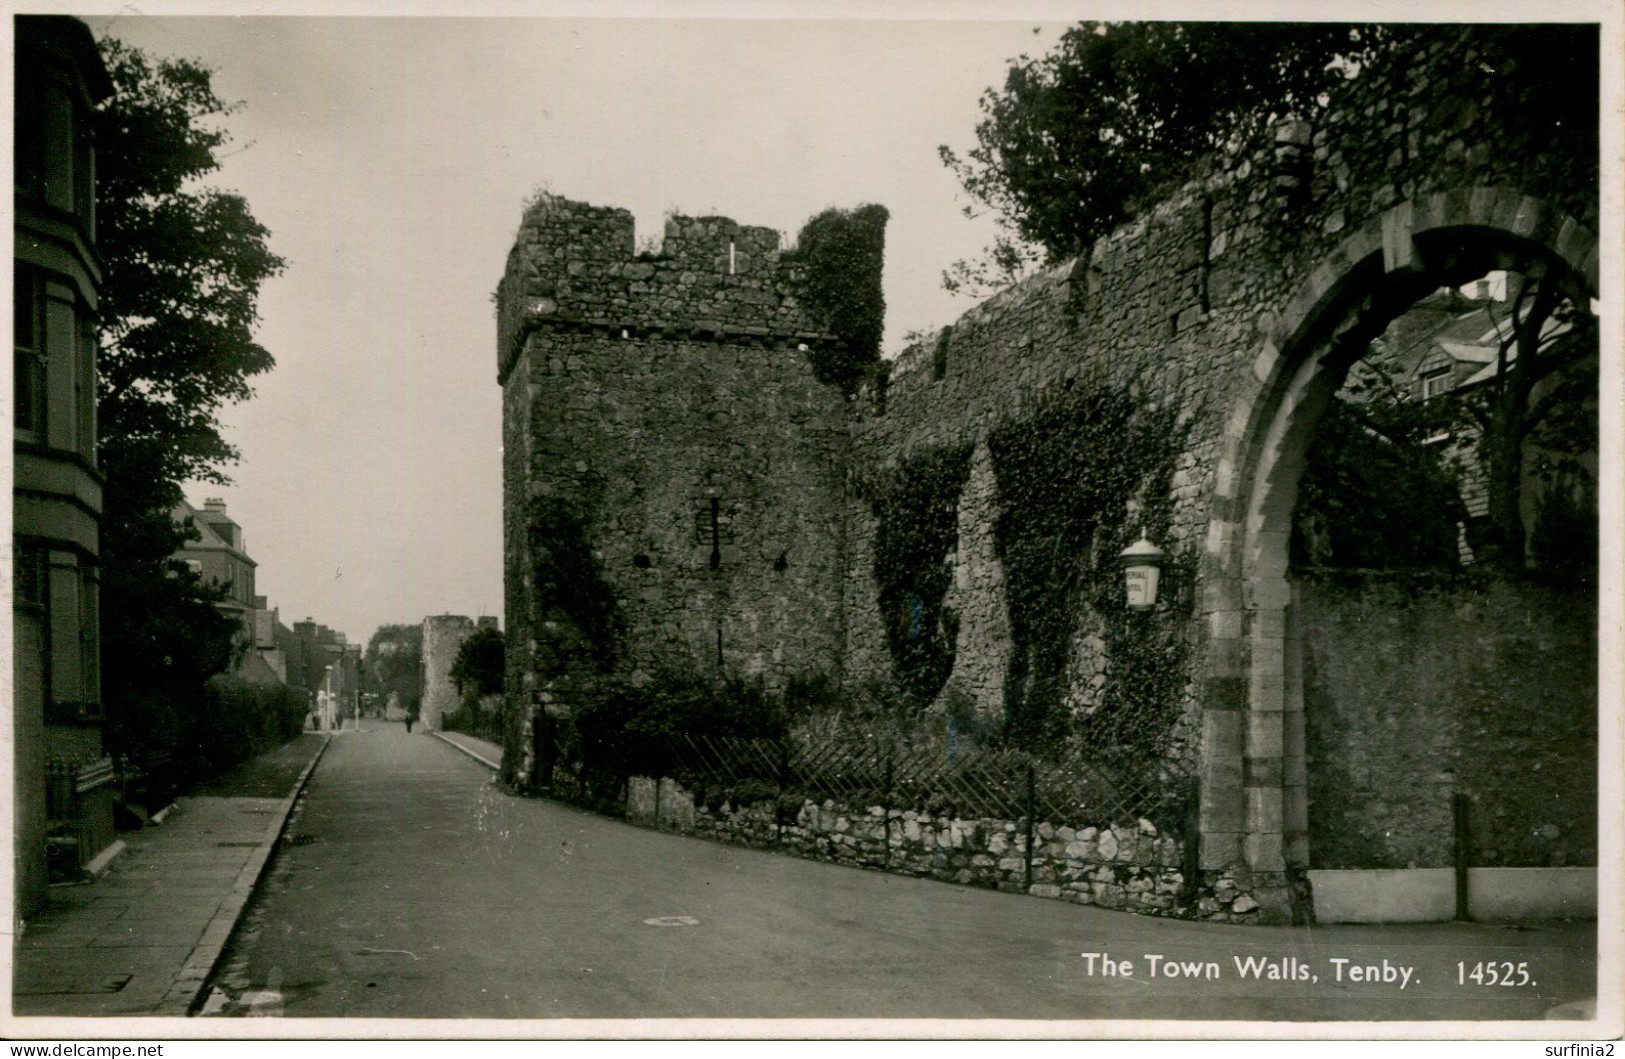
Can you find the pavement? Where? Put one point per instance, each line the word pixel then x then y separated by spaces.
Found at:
pixel 418 890
pixel 485 752
pixel 143 938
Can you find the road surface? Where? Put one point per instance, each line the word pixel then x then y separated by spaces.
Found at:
pixel 408 886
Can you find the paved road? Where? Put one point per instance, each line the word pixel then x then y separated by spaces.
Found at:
pixel 415 889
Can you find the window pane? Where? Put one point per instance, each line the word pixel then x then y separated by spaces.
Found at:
pixel 25 387
pixel 90 631
pixel 23 319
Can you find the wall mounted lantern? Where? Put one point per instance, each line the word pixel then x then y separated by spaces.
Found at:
pixel 1142 571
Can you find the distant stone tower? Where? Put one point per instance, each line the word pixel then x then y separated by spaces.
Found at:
pixel 672 465
pixel 442 636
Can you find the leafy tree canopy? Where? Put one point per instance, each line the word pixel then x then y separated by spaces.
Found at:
pixel 1118 114
pixel 1119 111
pixel 842 252
pixel 479 665
pixel 183 268
pixel 184 265
pixel 393 665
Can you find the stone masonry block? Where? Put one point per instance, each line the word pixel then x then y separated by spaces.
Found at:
pixel 1295 807
pixel 1264 364
pixel 1531 217
pixel 1574 241
pixel 1262 771
pixel 1267 695
pixel 1481 202
pixel 1220 594
pixel 1265 852
pixel 1293 730
pixel 1222 734
pixel 1223 771
pixel 1223 810
pixel 1266 810
pixel 1226 624
pixel 1221 849
pixel 1265 736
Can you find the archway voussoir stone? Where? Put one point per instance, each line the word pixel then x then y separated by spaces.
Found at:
pixel 1575 244
pixel 1225 482
pixel 1531 217
pixel 1264 364
pixel 1358 247
pixel 1433 211
pixel 1222 594
pixel 1324 278
pixel 1504 210
pixel 1457 209
pixel 1292 320
pixel 1240 423
pixel 1397 226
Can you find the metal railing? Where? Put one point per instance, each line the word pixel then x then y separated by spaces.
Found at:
pixel 981 783
pixel 478 723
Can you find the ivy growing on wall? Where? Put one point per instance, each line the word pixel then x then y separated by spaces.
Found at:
pixel 918 529
pixel 570 589
pixel 1067 477
pixel 841 252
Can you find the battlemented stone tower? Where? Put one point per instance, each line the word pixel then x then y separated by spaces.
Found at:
pixel 671 461
pixel 443 634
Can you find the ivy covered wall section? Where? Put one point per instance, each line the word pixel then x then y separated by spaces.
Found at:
pixel 916 509
pixel 838 257
pixel 1081 479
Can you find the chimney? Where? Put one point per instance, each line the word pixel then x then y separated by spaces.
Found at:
pixel 214 503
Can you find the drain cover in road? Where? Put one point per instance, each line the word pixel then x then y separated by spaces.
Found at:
pixel 671 921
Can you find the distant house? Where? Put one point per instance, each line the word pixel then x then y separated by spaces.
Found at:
pixel 1447 345
pixel 322 662
pixel 63 778
pixel 218 555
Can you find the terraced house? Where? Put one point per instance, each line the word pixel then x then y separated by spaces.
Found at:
pixel 63 794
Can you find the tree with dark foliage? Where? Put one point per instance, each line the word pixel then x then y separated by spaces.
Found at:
pixel 183 268
pixel 1120 114
pixel 479 666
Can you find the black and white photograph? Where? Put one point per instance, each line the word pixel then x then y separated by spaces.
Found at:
pixel 807 521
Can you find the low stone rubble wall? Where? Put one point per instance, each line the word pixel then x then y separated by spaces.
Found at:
pixel 1133 869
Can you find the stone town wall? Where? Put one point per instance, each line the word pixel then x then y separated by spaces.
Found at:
pixel 1415 692
pixel 443 635
pixel 1180 302
pixel 1132 868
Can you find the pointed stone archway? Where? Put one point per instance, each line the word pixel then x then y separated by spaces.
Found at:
pixel 1254 811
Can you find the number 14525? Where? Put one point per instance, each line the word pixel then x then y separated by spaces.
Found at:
pixel 1491 972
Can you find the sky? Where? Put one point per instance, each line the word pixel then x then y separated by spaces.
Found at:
pixel 390 158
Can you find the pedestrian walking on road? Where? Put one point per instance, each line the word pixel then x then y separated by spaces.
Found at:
pixel 411 715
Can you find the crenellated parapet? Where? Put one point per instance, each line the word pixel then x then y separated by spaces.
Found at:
pixel 574 268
